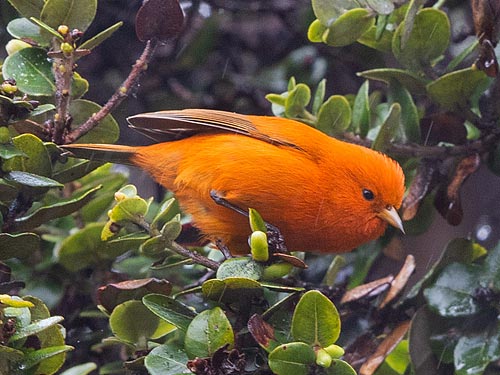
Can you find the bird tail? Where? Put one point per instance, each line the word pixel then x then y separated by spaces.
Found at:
pixel 102 152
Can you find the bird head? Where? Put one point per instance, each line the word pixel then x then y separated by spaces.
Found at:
pixel 380 184
pixel 372 191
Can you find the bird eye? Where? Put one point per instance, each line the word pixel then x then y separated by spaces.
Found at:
pixel 368 194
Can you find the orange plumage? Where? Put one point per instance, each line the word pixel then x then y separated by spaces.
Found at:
pixel 323 194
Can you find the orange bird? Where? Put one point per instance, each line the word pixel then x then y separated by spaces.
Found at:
pixel 323 194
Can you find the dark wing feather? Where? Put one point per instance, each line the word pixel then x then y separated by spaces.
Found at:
pixel 164 126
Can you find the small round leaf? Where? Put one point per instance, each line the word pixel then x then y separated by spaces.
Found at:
pixel 293 358
pixel 428 40
pixel 208 332
pixel 132 322
pixel 316 320
pixel 349 27
pixel 76 14
pixel 32 71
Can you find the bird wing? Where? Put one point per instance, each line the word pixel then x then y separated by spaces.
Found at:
pixel 164 126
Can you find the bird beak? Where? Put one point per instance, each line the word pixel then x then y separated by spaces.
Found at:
pixel 390 215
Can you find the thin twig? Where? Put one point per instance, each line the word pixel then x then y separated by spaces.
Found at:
pixel 480 146
pixel 197 258
pixel 120 94
pixel 63 72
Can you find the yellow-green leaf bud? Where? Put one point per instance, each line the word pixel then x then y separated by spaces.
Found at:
pixel 63 30
pixel 66 48
pixel 335 351
pixel 323 359
pixel 259 247
pixel 8 88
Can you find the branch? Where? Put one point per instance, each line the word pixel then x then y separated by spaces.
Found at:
pixel 63 72
pixel 197 258
pixel 120 94
pixel 480 146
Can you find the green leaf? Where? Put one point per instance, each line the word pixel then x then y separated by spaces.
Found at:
pixel 409 19
pixel 9 151
pixel 316 321
pixel 21 314
pixel 340 367
pixel 276 99
pixel 256 221
pixel 36 357
pixel 410 121
pixel 293 358
pixel 334 116
pixel 50 337
pixel 171 230
pixel 453 90
pixel 365 256
pixel 166 212
pixel 474 352
pixel 361 110
pixel 79 86
pixel 319 96
pixel 133 322
pixel 32 71
pixel 209 331
pixel 328 11
pixel 36 327
pixel 106 132
pixel 399 357
pixel 298 98
pixel 28 8
pixel 170 310
pixel 231 289
pixel 428 40
pixel 388 129
pixel 409 80
pixel 452 294
pixel 46 213
pixel 49 31
pixel 243 267
pixel 348 27
pixel 76 14
pixel 21 28
pixel 35 158
pixel 75 169
pixel 315 31
pixel 41 109
pixel 13 301
pixel 334 268
pixel 371 39
pixel 83 248
pixel 457 250
pixel 101 37
pixel 32 180
pixel 384 7
pixel 424 324
pixel 18 245
pixel 129 209
pixel 83 369
pixel 166 359
pixel 154 247
pixel 10 354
